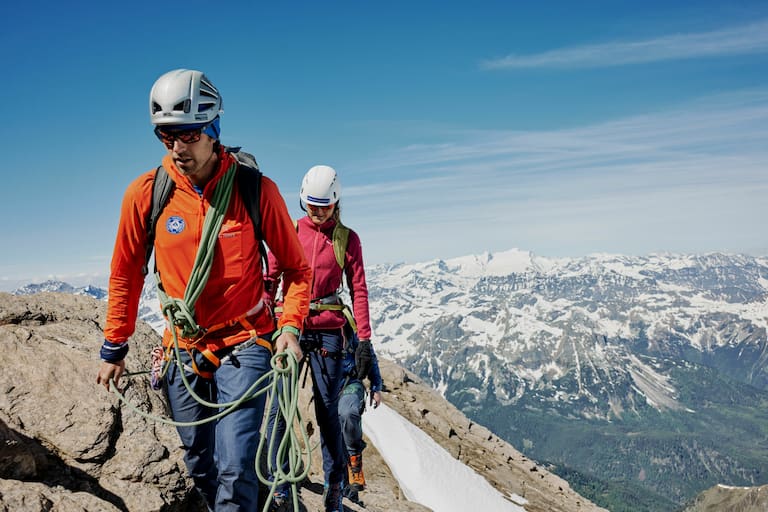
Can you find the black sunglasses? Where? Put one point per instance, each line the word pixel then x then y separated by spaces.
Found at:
pixel 168 137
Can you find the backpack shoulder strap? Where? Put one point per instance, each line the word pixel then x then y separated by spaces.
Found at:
pixel 162 186
pixel 340 240
pixel 249 183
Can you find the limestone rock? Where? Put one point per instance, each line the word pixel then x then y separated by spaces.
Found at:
pixel 68 436
pixel 70 445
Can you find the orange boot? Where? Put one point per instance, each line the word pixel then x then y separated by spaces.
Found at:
pixel 355 472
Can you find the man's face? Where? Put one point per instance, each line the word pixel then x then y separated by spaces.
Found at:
pixel 191 158
pixel 190 149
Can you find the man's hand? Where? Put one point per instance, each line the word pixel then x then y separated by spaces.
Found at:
pixel 288 341
pixel 110 372
pixel 363 359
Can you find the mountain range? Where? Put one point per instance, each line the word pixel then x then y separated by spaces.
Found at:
pixel 641 380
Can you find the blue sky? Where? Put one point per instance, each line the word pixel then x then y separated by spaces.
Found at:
pixel 562 128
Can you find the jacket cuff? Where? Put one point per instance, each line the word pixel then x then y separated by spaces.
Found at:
pixel 286 328
pixel 113 352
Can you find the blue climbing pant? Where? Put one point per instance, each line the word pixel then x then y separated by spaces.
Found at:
pixel 220 455
pixel 351 407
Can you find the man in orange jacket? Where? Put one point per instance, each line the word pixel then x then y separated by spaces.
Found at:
pixel 220 456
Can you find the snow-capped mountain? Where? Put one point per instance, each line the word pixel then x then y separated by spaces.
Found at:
pixel 648 370
pixel 61 287
pixel 149 305
pixel 517 323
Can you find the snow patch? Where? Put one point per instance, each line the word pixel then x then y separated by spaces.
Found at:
pixel 426 472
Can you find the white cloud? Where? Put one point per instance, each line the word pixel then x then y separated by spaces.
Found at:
pixel 747 39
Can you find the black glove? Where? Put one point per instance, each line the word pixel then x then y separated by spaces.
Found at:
pixel 363 359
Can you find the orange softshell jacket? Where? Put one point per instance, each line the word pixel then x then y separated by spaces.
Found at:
pixel 235 285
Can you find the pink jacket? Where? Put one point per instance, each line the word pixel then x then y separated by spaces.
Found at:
pixel 327 276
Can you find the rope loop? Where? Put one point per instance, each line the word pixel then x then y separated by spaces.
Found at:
pixel 292 453
pixel 286 456
pixel 180 316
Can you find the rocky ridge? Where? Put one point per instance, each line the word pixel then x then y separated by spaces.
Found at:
pixel 723 498
pixel 67 445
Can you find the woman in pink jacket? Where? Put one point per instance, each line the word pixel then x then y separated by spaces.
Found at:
pixel 323 338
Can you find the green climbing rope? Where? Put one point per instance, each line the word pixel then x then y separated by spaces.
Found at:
pixel 293 451
pixel 184 309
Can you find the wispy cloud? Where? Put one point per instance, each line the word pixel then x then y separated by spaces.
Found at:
pixel 678 180
pixel 746 39
pixel 713 133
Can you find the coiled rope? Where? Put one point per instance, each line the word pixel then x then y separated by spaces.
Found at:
pixel 293 451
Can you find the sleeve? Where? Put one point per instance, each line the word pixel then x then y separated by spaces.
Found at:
pixel 285 248
pixel 126 279
pixel 358 288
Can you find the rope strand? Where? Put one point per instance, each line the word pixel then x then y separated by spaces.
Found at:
pixel 184 309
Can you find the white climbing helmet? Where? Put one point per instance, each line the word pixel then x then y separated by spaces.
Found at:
pixel 184 96
pixel 320 186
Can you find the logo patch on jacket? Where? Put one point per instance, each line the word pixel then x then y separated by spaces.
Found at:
pixel 174 225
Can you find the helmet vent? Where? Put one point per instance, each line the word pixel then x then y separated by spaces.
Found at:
pixel 183 96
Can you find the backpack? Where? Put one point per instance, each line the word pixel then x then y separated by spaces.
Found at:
pixel 340 238
pixel 248 179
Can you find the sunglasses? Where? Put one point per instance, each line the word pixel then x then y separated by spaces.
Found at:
pixel 168 137
pixel 319 207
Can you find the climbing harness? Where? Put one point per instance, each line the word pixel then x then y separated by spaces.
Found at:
pixel 180 312
pixel 330 302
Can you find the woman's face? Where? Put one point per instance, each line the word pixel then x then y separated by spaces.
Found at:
pixel 320 214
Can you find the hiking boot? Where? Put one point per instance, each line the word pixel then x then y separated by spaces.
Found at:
pixel 332 497
pixel 281 502
pixel 355 472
